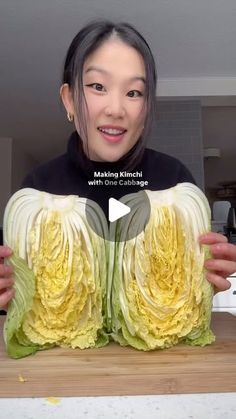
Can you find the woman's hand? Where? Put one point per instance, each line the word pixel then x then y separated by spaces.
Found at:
pixel 223 262
pixel 7 291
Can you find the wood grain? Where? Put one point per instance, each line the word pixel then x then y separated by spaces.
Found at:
pixel 114 370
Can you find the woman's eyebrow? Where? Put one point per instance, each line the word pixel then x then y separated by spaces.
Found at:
pixel 98 69
pixel 138 78
pixel 103 71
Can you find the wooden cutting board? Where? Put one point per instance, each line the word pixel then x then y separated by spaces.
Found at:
pixel 114 370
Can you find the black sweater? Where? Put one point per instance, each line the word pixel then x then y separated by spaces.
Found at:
pixel 69 174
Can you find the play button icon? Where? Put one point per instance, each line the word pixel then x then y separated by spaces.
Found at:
pixel 125 218
pixel 117 209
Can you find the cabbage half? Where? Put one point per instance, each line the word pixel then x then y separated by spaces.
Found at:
pixel 60 267
pixel 159 295
pixel 73 289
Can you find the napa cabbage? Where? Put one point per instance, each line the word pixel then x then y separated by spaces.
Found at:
pixel 159 292
pixel 59 278
pixel 76 288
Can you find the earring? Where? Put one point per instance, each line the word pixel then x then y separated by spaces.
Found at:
pixel 70 117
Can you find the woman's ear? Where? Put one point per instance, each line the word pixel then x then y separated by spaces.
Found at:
pixel 67 99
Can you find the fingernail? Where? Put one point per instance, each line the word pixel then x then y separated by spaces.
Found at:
pixel 9 269
pixel 208 263
pixel 7 251
pixel 203 237
pixel 11 291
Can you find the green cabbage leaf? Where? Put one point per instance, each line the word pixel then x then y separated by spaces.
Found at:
pixel 159 293
pixel 76 288
pixel 59 278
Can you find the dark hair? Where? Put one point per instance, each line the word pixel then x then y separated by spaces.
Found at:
pixel 87 41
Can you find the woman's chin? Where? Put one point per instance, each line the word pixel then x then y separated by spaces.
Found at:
pixel 109 157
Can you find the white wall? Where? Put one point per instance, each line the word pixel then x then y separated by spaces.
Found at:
pixel 219 130
pixel 5 173
pixel 14 165
pixel 22 164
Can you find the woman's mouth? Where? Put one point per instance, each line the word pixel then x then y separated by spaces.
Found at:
pixel 112 134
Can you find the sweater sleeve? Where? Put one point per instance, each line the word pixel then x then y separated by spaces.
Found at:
pixel 185 175
pixel 28 182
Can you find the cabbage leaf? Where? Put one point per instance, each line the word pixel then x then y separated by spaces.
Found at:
pixel 159 293
pixel 60 280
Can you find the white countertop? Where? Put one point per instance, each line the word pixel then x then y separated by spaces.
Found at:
pixel 185 406
pixel 179 406
pixel 226 301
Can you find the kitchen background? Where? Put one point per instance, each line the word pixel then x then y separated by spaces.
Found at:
pixel 203 137
pixel 195 51
pixel 194 44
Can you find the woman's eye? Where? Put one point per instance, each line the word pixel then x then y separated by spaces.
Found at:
pixel 97 86
pixel 134 93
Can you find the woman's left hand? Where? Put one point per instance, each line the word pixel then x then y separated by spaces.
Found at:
pixel 223 261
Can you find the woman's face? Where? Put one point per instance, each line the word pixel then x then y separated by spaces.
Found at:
pixel 114 89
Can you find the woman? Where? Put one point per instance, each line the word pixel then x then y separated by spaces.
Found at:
pixel 108 91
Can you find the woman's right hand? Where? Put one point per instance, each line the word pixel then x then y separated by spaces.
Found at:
pixel 7 291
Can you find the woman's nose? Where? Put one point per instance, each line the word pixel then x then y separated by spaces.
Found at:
pixel 115 107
